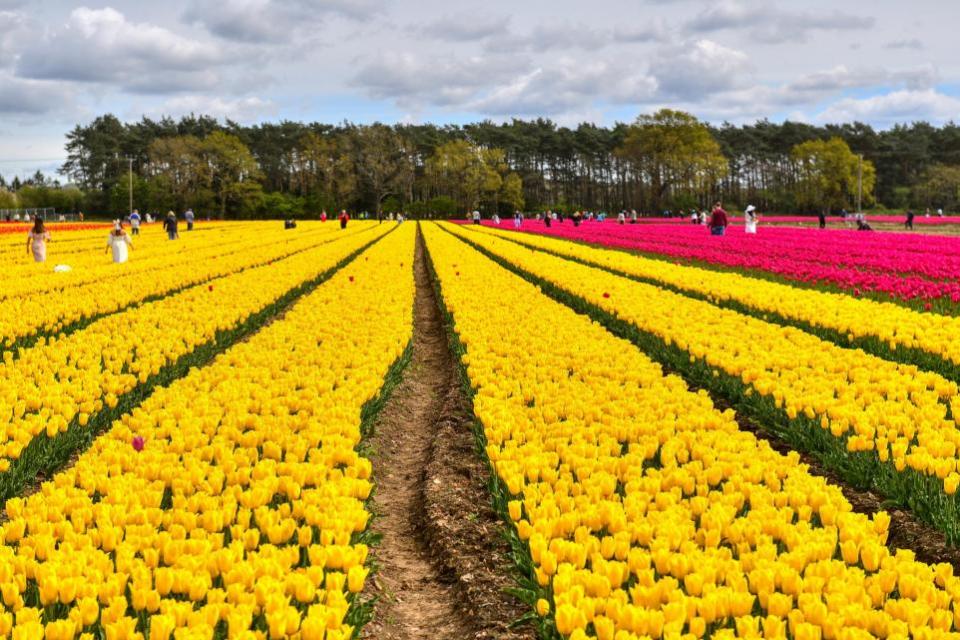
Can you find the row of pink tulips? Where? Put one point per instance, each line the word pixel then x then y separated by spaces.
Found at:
pixel 903 266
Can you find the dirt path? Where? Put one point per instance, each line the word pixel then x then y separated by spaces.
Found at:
pixel 419 582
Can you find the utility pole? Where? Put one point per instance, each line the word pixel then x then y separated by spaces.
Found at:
pixel 859 181
pixel 130 182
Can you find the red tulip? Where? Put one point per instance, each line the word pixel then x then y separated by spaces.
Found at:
pixel 606 295
pixel 210 288
pixel 138 443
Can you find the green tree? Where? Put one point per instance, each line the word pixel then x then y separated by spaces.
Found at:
pixel 177 164
pixel 940 187
pixel 827 173
pixel 471 175
pixel 675 154
pixel 511 192
pixel 8 200
pixel 383 161
pixel 233 172
pixel 325 172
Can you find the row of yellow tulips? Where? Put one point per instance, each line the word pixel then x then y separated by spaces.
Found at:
pixel 88 263
pixel 882 327
pixel 645 511
pixel 112 288
pixel 72 245
pixel 894 410
pixel 231 502
pixel 64 381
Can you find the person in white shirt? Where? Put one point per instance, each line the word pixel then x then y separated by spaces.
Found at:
pixel 135 223
pixel 119 242
pixel 188 216
pixel 750 219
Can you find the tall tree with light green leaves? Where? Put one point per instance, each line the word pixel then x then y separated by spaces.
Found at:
pixel 828 173
pixel 383 161
pixel 234 173
pixel 473 175
pixel 676 155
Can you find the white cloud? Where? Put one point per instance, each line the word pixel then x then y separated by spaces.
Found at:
pixel 907 43
pixel 840 78
pixel 768 23
pixel 464 27
pixel 700 68
pixel 101 45
pixel 19 96
pixel 240 109
pixel 567 85
pixel 898 106
pixel 504 85
pixel 275 21
pixel 655 30
pixel 12 28
pixel 412 81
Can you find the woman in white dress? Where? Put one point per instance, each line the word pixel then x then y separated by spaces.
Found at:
pixel 119 242
pixel 37 240
pixel 750 219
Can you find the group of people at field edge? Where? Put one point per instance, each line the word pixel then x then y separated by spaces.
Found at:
pixel 908 223
pixel 717 220
pixel 119 242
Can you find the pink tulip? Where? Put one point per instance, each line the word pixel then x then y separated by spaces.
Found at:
pixel 138 443
pixel 905 266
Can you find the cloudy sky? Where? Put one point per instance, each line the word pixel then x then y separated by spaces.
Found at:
pixel 63 63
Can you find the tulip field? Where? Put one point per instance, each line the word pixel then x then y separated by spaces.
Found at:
pixel 902 267
pixel 185 443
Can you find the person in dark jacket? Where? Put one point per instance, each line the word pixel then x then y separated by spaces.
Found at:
pixel 170 226
pixel 909 222
pixel 718 220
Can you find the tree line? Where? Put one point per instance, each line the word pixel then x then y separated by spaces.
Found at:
pixel 663 161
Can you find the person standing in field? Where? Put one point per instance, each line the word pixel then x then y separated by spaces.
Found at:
pixel 908 224
pixel 750 219
pixel 323 216
pixel 718 220
pixel 822 218
pixel 476 217
pixel 37 240
pixel 344 218
pixel 170 226
pixel 188 216
pixel 135 223
pixel 517 220
pixel 119 242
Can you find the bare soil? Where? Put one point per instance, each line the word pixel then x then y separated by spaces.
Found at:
pixel 441 563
